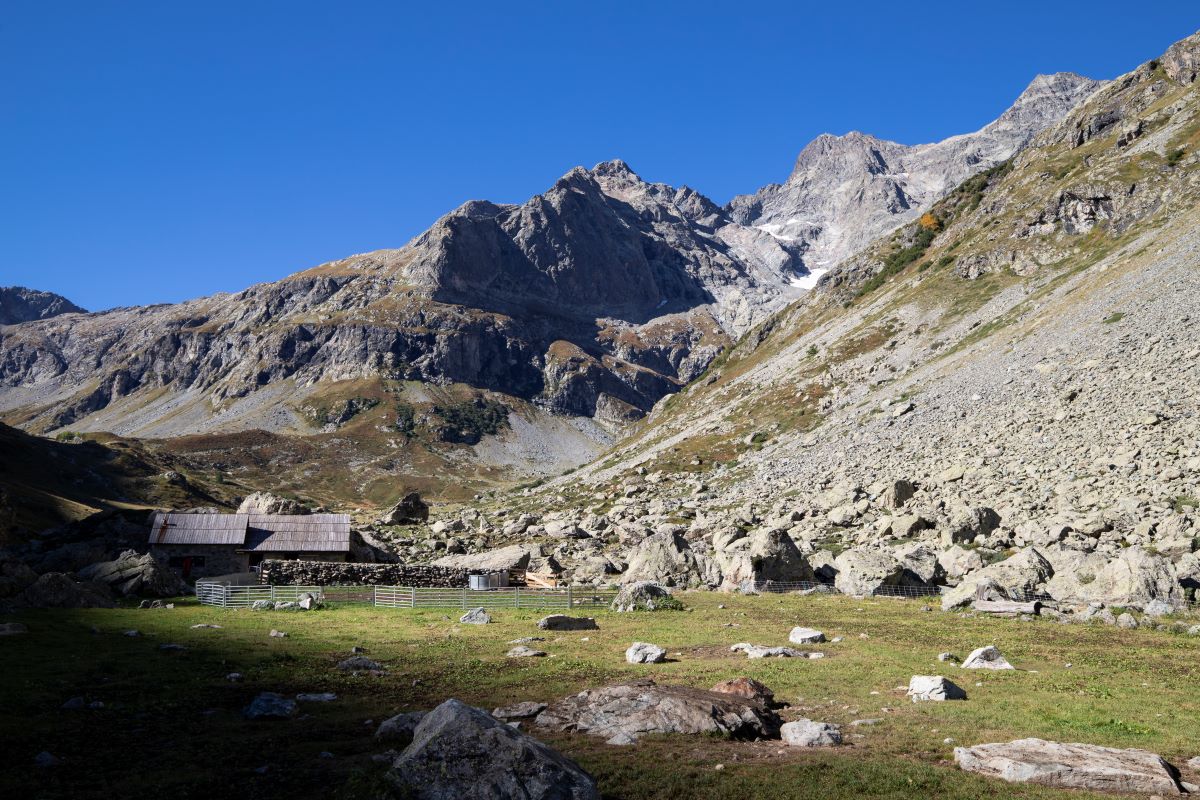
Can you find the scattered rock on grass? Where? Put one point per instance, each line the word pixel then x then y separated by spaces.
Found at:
pixel 12 628
pixel 463 752
pixel 986 658
pixel 644 596
pixel 934 687
pixel 806 733
pixel 561 622
pixel 645 653
pixel 359 664
pixel 270 705
pixel 519 711
pixel 622 713
pixel 805 636
pixel 522 651
pixel 1072 766
pixel 476 616
pixel 316 697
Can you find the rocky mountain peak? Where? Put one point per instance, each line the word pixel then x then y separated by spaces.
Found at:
pixel 845 191
pixel 19 304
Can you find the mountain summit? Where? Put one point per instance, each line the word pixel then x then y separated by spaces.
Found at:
pixel 846 191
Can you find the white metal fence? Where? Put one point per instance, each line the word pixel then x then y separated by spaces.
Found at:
pixel 231 596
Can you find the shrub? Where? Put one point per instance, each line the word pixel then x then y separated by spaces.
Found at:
pixel 469 421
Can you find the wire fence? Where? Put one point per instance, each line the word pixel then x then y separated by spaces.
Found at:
pixel 565 598
pixel 226 595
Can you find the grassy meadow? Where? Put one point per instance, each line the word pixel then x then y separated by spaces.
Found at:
pixel 171 723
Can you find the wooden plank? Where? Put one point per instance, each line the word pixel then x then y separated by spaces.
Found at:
pixel 1007 607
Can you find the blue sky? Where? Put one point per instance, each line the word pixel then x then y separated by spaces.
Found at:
pixel 155 151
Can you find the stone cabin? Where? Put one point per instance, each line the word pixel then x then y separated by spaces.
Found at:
pixel 204 545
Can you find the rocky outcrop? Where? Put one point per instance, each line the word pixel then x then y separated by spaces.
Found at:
pixel 133 574
pixel 462 753
pixel 644 596
pixel 1072 766
pixel 18 304
pixel 410 510
pixel 846 191
pixel 667 558
pixel 620 714
pixel 58 590
pixel 268 503
pixel 1015 578
pixel 502 559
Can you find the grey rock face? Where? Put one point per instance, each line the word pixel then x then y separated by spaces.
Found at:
pixel 410 510
pixel 18 304
pixel 846 191
pixel 134 574
pixel 524 651
pixel 620 714
pixel 268 503
pixel 1072 766
pixel 57 590
pixel 462 753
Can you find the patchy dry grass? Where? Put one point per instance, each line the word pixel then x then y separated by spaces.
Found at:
pixel 171 723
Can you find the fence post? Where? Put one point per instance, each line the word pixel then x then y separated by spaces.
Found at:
pixel 570 603
pixel 374 595
pixel 517 596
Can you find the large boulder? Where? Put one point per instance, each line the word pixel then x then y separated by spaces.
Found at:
pixel 463 753
pixel 921 563
pixel 864 571
pixel 968 523
pixel 665 557
pixel 644 596
pixel 958 562
pixel 133 574
pixel 267 503
pixel 400 728
pixel 1072 766
pixel 1134 578
pixel 15 576
pixel 806 733
pixel 768 554
pixel 645 653
pixel 499 560
pixel 620 714
pixel 59 590
pixel 411 510
pixel 1014 578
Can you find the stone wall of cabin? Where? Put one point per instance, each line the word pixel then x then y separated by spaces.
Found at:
pixel 325 573
pixel 218 559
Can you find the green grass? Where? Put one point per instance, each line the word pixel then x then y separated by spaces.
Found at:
pixel 171 723
pixel 1113 318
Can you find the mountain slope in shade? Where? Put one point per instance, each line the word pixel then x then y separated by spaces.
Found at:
pixel 846 191
pixel 18 304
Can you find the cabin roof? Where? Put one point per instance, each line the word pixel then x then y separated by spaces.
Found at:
pixel 255 532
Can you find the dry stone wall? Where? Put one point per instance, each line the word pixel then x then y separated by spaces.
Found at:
pixel 324 573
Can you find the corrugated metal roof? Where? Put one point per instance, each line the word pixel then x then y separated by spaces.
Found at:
pixel 198 529
pixel 308 533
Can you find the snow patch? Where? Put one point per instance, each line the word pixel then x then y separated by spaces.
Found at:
pixel 807 281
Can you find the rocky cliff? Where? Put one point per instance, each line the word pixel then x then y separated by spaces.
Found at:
pixel 18 304
pixel 846 191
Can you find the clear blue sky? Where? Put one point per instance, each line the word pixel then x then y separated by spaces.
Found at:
pixel 155 151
